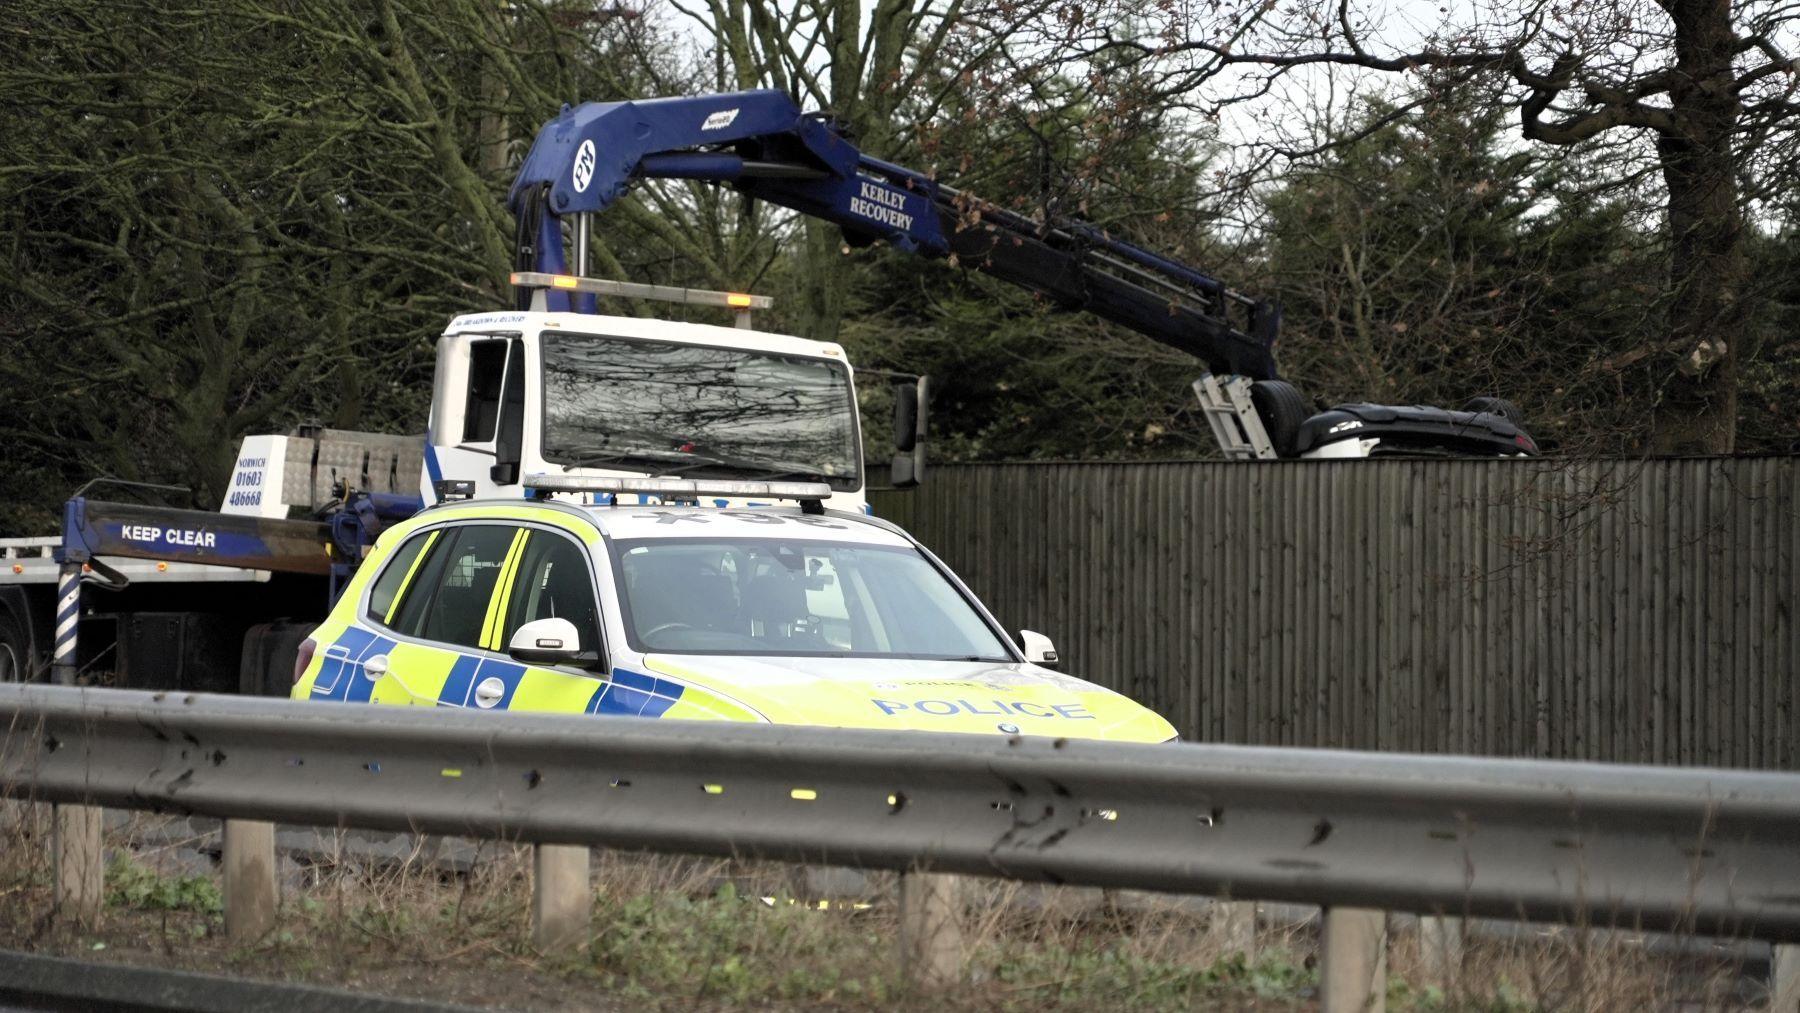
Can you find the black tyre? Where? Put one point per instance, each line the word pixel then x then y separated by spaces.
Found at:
pixel 1282 410
pixel 1497 406
pixel 266 666
pixel 16 661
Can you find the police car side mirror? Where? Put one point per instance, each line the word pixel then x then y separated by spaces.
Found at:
pixel 546 641
pixel 1038 648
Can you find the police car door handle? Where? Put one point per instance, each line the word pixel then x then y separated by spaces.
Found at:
pixel 375 667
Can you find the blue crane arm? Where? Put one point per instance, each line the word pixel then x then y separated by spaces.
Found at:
pixel 760 142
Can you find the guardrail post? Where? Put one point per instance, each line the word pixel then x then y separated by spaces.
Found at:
pixel 1353 961
pixel 1234 923
pixel 1784 979
pixel 1441 948
pixel 250 888
pixel 80 870
pixel 931 942
pixel 562 898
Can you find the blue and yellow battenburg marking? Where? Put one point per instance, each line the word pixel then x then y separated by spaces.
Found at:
pixel 426 676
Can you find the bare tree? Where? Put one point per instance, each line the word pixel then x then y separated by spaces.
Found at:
pixel 1710 85
pixel 857 64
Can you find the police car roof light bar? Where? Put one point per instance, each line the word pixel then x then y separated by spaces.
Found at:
pixel 677 488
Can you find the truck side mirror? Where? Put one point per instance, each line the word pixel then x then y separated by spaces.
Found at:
pixel 911 398
pixel 1038 648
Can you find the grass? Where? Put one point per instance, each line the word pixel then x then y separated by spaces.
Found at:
pixel 682 933
pixel 132 885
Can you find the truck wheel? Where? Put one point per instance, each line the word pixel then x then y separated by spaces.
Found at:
pixel 15 648
pixel 266 667
pixel 1282 410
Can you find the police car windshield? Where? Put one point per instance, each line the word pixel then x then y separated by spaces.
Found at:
pixel 795 597
pixel 696 410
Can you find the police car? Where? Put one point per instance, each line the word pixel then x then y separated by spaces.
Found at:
pixel 653 605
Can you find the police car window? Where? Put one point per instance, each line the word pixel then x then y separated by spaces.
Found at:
pixel 794 597
pixel 552 581
pixel 451 605
pixel 402 568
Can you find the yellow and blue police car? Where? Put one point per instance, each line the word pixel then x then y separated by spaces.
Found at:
pixel 767 613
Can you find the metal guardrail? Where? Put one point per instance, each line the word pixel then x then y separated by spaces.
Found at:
pixel 30 982
pixel 1690 850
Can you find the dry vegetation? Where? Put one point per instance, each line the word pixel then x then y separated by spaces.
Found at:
pixel 679 933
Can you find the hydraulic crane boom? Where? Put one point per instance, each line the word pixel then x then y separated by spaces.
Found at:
pixel 761 143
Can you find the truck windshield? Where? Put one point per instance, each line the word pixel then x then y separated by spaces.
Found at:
pixel 691 409
pixel 795 597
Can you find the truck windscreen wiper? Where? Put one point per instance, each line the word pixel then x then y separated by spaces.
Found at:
pixel 754 470
pixel 791 476
pixel 639 460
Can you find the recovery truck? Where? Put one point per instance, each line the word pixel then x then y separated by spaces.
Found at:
pixel 196 600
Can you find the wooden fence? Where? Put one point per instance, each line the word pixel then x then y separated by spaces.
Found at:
pixel 1634 611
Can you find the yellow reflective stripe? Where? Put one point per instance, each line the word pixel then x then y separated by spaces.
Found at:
pixel 511 513
pixel 490 626
pixel 406 581
pixel 502 594
pixel 512 579
pixel 553 692
pixel 416 676
pixel 489 633
pixel 699 705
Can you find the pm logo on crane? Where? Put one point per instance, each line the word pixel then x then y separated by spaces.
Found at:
pixel 584 166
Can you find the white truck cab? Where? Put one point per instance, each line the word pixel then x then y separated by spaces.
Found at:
pixel 585 395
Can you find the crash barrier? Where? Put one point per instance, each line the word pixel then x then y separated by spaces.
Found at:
pixel 32 982
pixel 1629 611
pixel 1702 852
